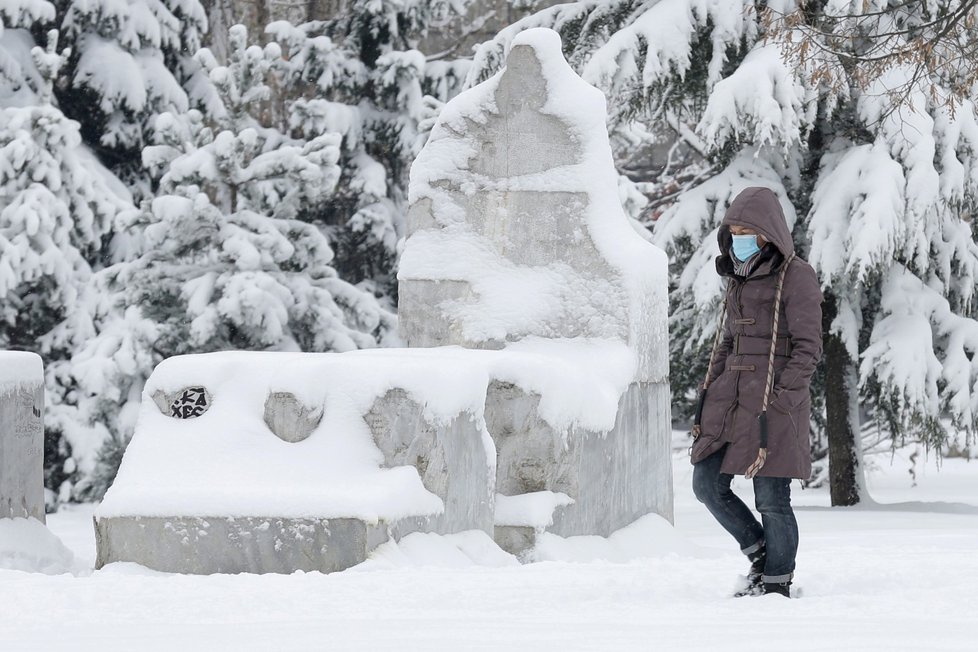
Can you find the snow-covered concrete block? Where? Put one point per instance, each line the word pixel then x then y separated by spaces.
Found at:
pixel 300 462
pixel 516 228
pixel 402 445
pixel 21 435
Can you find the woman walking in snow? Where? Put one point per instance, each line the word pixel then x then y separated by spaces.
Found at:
pixel 753 414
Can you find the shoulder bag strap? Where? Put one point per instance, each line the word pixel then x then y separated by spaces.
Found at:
pixel 762 417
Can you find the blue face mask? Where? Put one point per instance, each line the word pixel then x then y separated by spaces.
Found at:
pixel 744 246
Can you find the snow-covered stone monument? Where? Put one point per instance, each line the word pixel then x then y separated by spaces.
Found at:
pixel 25 543
pixel 21 435
pixel 534 395
pixel 394 449
pixel 516 231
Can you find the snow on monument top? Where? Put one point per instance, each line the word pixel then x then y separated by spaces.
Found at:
pixel 20 367
pixel 516 228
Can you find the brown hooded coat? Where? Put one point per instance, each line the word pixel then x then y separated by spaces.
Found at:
pixel 734 398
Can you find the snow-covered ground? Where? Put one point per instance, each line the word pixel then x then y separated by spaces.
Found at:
pixel 882 578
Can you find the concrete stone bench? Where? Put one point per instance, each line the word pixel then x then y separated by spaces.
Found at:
pixel 219 517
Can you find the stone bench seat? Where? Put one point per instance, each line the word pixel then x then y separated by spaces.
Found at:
pixel 403 440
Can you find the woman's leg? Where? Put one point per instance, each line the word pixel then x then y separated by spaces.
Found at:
pixel 773 500
pixel 712 488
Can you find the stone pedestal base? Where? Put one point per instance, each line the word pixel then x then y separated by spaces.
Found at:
pixel 201 545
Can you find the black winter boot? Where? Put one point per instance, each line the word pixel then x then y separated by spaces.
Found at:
pixel 753 586
pixel 780 588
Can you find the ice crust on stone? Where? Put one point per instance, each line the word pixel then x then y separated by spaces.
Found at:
pixel 517 221
pixel 227 462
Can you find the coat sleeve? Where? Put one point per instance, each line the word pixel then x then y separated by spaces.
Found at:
pixel 802 299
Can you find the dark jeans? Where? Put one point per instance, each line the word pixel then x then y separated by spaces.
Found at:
pixel 772 497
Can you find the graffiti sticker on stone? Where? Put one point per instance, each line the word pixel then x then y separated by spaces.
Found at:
pixel 191 403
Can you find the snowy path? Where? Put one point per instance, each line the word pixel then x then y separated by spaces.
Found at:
pixel 873 579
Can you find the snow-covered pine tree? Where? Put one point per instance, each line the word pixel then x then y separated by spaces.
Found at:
pixel 57 205
pixel 359 74
pixel 883 185
pixel 127 63
pixel 220 258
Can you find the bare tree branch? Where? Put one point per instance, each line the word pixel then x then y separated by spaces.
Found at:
pixel 936 48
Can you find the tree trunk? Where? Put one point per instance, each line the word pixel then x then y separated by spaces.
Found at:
pixel 839 418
